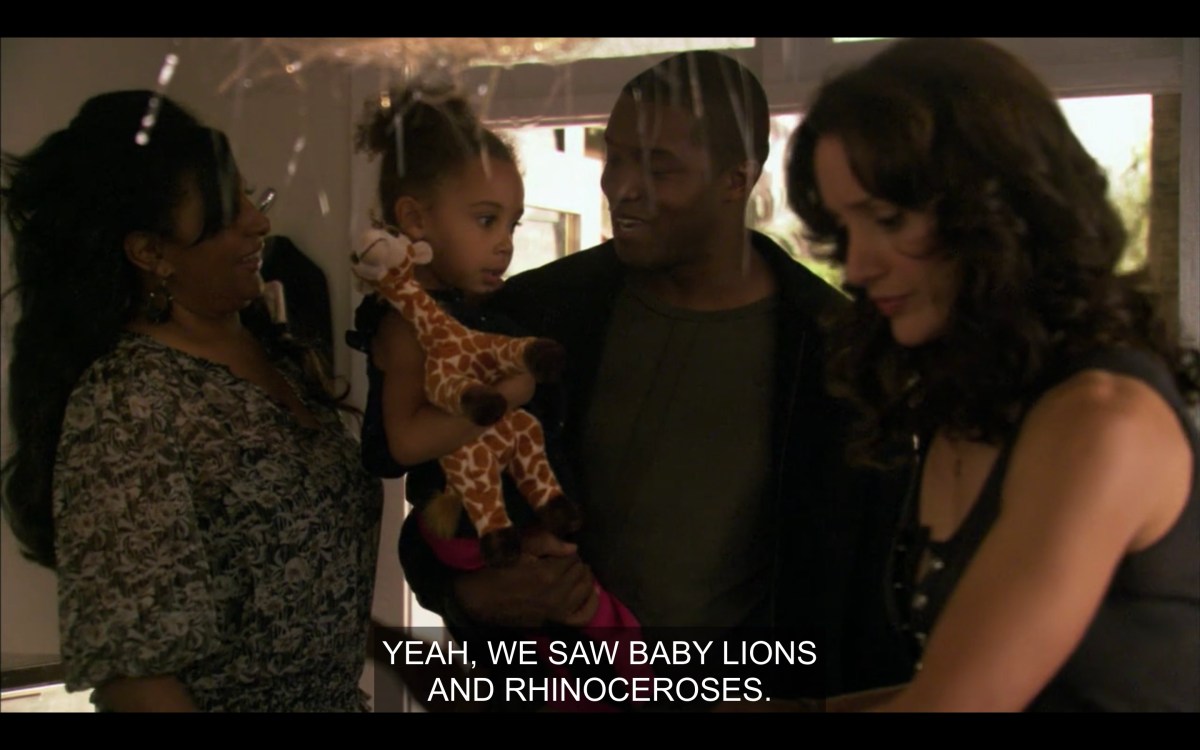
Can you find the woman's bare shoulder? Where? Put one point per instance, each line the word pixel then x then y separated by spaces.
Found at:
pixel 1108 412
pixel 1109 443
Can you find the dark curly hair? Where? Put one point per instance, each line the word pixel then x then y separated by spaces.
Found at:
pixel 121 166
pixel 963 129
pixel 423 133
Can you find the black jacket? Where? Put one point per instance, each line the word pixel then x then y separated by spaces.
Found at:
pixel 833 525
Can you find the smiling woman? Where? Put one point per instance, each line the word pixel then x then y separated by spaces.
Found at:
pixel 180 462
pixel 204 274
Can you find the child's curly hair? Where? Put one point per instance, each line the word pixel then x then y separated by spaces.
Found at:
pixel 424 133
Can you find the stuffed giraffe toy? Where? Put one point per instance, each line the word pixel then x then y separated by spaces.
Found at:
pixel 460 367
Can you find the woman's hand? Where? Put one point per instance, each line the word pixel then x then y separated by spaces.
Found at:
pixel 144 695
pixel 864 700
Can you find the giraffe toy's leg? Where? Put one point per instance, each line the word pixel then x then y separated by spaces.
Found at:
pixel 504 355
pixel 483 495
pixel 459 393
pixel 535 479
pixel 494 355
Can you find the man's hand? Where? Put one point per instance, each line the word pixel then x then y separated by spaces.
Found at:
pixel 548 583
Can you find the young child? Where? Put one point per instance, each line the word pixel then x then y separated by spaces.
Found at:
pixel 448 181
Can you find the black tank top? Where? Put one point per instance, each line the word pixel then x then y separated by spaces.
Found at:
pixel 1142 650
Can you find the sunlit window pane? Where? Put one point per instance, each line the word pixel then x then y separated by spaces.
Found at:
pixel 1115 130
pixel 562 179
pixel 621 47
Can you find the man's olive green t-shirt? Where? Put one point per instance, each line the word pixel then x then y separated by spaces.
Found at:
pixel 676 459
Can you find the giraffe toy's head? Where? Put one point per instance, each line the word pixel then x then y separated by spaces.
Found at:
pixel 382 251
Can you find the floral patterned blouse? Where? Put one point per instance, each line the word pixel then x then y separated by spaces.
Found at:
pixel 203 532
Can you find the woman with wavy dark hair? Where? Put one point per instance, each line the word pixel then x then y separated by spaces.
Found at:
pixel 1050 554
pixel 179 460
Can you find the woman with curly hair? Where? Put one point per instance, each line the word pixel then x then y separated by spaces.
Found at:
pixel 180 461
pixel 1049 557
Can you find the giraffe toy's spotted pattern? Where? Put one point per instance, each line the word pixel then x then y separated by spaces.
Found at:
pixel 460 366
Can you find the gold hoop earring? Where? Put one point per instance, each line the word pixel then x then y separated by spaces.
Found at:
pixel 157 308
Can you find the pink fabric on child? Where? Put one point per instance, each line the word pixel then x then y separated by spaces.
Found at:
pixel 612 622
